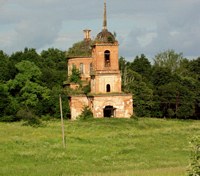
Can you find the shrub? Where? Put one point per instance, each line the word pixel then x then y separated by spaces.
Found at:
pixel 86 113
pixel 29 117
pixel 170 112
pixel 194 166
pixel 9 118
pixel 86 89
pixel 46 117
pixel 75 76
pixel 134 117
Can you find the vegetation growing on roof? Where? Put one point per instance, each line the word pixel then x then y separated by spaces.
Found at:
pixel 80 49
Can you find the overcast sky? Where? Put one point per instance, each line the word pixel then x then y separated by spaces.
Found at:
pixel 142 26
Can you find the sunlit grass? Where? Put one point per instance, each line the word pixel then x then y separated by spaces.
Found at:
pixel 146 147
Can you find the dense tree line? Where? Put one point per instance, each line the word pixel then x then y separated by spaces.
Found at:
pixel 30 84
pixel 167 88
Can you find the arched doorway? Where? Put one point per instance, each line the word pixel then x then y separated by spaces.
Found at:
pixel 109 111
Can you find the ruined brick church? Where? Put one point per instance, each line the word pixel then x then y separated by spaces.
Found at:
pixel 101 72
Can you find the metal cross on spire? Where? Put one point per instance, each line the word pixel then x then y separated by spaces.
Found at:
pixel 104 17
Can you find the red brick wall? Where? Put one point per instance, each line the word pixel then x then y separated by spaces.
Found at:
pixel 122 103
pixel 99 84
pixel 76 105
pixel 98 55
pixel 76 62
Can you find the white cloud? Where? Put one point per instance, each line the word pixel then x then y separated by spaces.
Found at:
pixel 175 25
pixel 146 39
pixel 142 26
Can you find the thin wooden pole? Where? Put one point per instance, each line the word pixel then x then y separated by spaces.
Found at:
pixel 62 121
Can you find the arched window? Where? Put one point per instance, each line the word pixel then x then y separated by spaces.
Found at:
pixel 107 58
pixel 91 68
pixel 108 88
pixel 81 68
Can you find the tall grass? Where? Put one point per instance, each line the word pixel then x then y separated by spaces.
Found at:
pixel 146 147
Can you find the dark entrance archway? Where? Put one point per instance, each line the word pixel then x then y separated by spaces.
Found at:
pixel 109 111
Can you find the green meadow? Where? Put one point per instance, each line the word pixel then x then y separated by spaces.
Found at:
pixel 101 147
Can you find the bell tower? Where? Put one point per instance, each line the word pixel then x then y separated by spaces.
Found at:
pixel 106 76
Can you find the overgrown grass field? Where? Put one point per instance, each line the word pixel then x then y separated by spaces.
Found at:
pixel 119 147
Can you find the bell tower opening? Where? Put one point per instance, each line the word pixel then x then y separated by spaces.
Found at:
pixel 109 111
pixel 107 58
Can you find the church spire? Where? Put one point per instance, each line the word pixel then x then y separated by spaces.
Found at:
pixel 104 17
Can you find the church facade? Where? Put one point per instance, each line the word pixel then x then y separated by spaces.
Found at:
pixel 101 72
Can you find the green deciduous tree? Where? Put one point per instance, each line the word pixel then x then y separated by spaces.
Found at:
pixel 175 100
pixel 194 68
pixel 53 67
pixel 123 66
pixel 141 65
pixel 4 98
pixel 142 93
pixel 7 69
pixel 193 85
pixel 25 88
pixel 161 76
pixel 176 89
pixel 169 59
pixel 29 77
pixel 51 106
pixel 29 54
